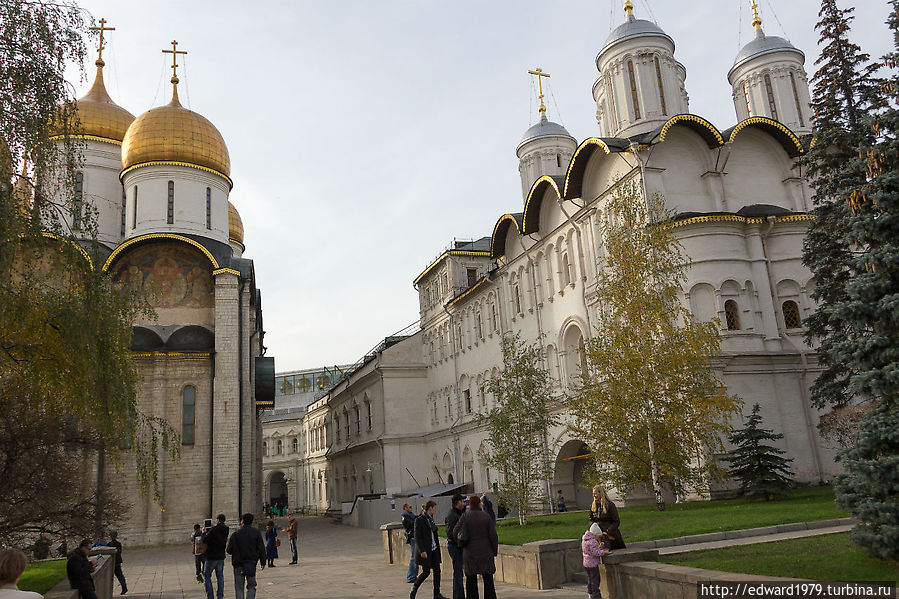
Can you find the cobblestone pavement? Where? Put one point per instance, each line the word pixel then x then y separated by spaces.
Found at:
pixel 339 562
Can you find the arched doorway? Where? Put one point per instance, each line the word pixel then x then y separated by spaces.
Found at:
pixel 277 489
pixel 568 475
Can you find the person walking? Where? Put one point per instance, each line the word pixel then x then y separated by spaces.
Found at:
pixel 487 506
pixel 215 539
pixel 246 548
pixel 196 543
pixel 409 526
pixel 291 530
pixel 117 545
pixel 79 569
pixel 12 564
pixel 476 531
pixel 604 513
pixel 427 547
pixel 452 545
pixel 271 543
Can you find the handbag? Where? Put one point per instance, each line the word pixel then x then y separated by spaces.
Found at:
pixel 277 542
pixel 461 533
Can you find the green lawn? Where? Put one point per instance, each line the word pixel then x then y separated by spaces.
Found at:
pixel 643 523
pixel 826 557
pixel 42 576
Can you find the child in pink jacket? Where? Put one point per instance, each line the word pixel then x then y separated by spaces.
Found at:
pixel 593 547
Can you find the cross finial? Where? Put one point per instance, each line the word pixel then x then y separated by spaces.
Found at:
pixel 540 75
pixel 174 52
pixel 102 28
pixel 756 19
pixel 629 8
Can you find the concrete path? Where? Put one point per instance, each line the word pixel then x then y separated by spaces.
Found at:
pixel 783 536
pixel 336 561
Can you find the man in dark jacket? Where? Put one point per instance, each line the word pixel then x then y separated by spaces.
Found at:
pixel 114 543
pixel 427 549
pixel 409 526
pixel 452 545
pixel 215 539
pixel 79 569
pixel 487 506
pixel 246 548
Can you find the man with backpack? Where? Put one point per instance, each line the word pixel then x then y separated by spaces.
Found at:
pixel 246 548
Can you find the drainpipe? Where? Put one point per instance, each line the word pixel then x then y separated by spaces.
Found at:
pixel 240 402
pixel 211 428
pixel 580 243
pixel 803 372
pixel 456 452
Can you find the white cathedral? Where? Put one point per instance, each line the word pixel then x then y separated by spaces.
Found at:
pixel 158 187
pixel 405 418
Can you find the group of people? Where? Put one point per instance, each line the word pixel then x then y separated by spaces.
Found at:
pixel 245 546
pixel 472 543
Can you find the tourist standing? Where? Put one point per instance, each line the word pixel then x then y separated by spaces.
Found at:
pixel 271 543
pixel 114 543
pixel 477 533
pixel 79 569
pixel 246 548
pixel 604 513
pixel 452 545
pixel 409 526
pixel 427 546
pixel 291 530
pixel 215 539
pixel 560 502
pixel 199 559
pixel 42 547
pixel 593 548
pixel 63 549
pixel 487 506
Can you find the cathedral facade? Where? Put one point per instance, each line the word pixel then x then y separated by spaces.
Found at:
pixel 158 187
pixel 742 205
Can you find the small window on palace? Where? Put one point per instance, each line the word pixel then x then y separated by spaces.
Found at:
pixel 134 216
pixel 264 448
pixel 732 315
pixel 170 213
pixel 208 208
pixel 466 396
pixel 368 413
pixel 479 324
pixel 636 100
pixel 79 197
pixel 792 320
pixel 559 160
pixel 295 446
pixel 188 414
pixel 280 449
pixel 472 276
pixel 516 298
pixel 566 270
pixel 770 89
pixel 358 419
pixel 124 208
pixel 493 323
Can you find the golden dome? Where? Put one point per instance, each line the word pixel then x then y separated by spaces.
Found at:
pixel 235 225
pixel 99 115
pixel 172 133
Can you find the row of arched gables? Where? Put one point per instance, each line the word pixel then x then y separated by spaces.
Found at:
pixel 571 185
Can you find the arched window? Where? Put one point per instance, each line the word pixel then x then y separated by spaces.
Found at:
pixel 358 419
pixel 368 413
pixel 746 98
pixel 188 415
pixel 264 448
pixel 633 79
pixel 493 322
pixel 170 213
pixel 770 91
pixel 124 208
pixel 479 324
pixel 661 87
pixel 208 208
pixel 79 197
pixel 566 270
pixel 732 315
pixel 516 297
pixel 337 428
pixel 796 97
pixel 792 320
pixel 559 160
pixel 295 446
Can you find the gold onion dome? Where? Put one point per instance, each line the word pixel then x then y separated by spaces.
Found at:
pixel 235 225
pixel 172 133
pixel 98 115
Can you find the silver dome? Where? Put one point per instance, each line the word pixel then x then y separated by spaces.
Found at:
pixel 761 45
pixel 544 128
pixel 634 27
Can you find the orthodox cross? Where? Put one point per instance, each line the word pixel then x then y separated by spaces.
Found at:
pixel 756 19
pixel 540 75
pixel 629 8
pixel 174 52
pixel 102 28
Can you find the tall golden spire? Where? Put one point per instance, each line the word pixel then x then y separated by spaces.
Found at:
pixel 540 75
pixel 756 19
pixel 102 28
pixel 175 52
pixel 628 8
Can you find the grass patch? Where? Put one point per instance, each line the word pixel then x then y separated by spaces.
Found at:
pixel 826 557
pixel 40 577
pixel 644 523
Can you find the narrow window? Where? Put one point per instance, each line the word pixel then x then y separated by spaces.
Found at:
pixel 493 323
pixel 792 320
pixel 358 420
pixel 630 74
pixel 368 413
pixel 295 446
pixel 466 395
pixel 188 417
pixel 746 98
pixel 559 160
pixel 472 276
pixel 264 448
pixel 134 216
pixel 771 104
pixel 516 298
pixel 796 97
pixel 79 196
pixel 208 208
pixel 479 326
pixel 661 88
pixel 732 315
pixel 170 215
pixel 280 447
pixel 614 111
pixel 566 270
pixel 124 208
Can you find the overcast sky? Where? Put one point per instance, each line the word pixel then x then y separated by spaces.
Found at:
pixel 365 136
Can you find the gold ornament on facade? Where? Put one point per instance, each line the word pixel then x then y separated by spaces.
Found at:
pixel 173 133
pixel 235 225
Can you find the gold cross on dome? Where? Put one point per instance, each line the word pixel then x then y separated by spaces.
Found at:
pixel 756 19
pixel 102 28
pixel 540 75
pixel 174 52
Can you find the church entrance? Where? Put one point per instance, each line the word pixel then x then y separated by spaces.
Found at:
pixel 569 476
pixel 277 489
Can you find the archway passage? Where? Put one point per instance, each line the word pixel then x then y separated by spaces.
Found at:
pixel 568 475
pixel 277 489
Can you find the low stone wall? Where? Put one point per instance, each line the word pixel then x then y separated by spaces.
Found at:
pixel 103 575
pixel 743 533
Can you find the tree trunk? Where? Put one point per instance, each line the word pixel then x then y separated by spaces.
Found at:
pixel 654 464
pixel 101 481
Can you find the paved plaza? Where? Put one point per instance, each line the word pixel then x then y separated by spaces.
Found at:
pixel 336 561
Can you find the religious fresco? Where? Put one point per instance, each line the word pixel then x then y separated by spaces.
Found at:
pixel 169 275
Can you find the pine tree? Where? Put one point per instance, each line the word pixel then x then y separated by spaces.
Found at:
pixel 762 470
pixel 870 486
